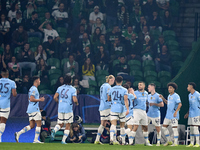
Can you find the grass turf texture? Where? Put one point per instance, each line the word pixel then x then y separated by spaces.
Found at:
pixel 58 146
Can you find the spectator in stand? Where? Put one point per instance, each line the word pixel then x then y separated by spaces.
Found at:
pixel 32 25
pixel 17 21
pixel 90 4
pixel 7 54
pixel 145 30
pixel 135 17
pixel 94 15
pixel 26 59
pixel 55 5
pixel 4 30
pixel 86 27
pixel 111 13
pixel 67 48
pixel 86 54
pixel 76 85
pixel 110 36
pixel 40 53
pixel 123 18
pixel 71 67
pixel 123 69
pixel 96 35
pixel 61 16
pixel 155 22
pixel 141 24
pixel 77 134
pixel 78 34
pixel 149 8
pixel 42 71
pixel 46 126
pixel 83 43
pixel 147 53
pixel 30 8
pixel 13 11
pixel 20 37
pixel 157 49
pixel 163 4
pixel 133 50
pixel 117 49
pixel 49 31
pixel 14 68
pixel 26 84
pixel 100 25
pixel 101 59
pixel 59 82
pixel 101 42
pixel 49 19
pixel 162 61
pixel 167 21
pixel 88 70
pixel 50 47
pixel 2 63
pixel 127 33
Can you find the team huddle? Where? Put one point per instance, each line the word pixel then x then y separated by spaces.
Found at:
pixel 116 103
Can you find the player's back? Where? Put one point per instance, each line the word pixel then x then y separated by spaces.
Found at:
pixel 117 96
pixel 104 103
pixel 6 86
pixel 66 92
pixel 154 111
pixel 140 101
pixel 194 101
pixel 33 106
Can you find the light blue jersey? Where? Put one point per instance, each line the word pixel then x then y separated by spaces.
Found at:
pixel 104 103
pixel 117 97
pixel 33 106
pixel 194 101
pixel 130 104
pixel 6 86
pixel 140 101
pixel 66 92
pixel 154 111
pixel 172 104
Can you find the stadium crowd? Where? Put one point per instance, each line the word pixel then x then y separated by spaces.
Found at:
pixel 85 36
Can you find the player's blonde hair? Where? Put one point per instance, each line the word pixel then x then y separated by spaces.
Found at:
pixel 109 77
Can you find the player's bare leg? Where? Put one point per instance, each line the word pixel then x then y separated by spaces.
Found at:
pixel 2 125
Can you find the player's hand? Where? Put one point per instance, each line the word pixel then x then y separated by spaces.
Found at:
pixel 175 114
pixel 186 116
pixel 151 104
pixel 127 112
pixel 161 96
pixel 42 99
pixel 76 103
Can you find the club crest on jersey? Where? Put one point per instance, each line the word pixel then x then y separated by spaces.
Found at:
pixel 151 97
pixel 142 94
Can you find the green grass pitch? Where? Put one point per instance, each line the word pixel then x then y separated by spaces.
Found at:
pixel 58 146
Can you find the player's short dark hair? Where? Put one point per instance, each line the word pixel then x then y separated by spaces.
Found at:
pixel 34 78
pixel 141 82
pixel 119 79
pixel 152 84
pixel 174 85
pixel 126 86
pixel 192 84
pixel 67 79
pixel 4 72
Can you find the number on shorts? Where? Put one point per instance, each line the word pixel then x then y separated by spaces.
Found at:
pixel 196 120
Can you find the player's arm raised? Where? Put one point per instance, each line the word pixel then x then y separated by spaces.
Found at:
pixel 131 91
pixel 75 100
pixel 126 103
pixel 164 100
pixel 56 97
pixel 32 99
